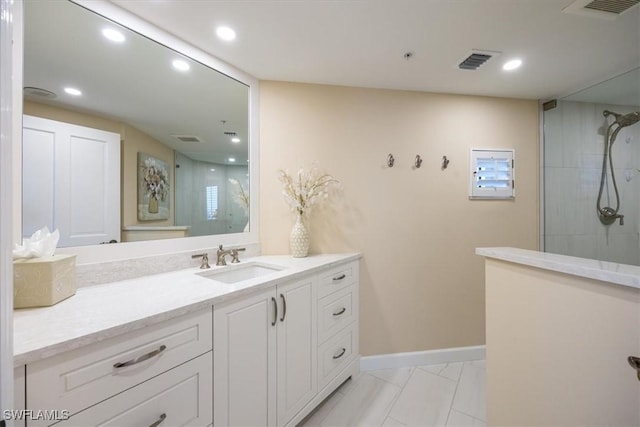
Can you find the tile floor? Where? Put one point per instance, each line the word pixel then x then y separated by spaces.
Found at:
pixel 451 394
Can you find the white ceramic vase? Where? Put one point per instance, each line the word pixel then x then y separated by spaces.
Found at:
pixel 299 239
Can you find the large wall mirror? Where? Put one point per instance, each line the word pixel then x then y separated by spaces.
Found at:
pixel 155 143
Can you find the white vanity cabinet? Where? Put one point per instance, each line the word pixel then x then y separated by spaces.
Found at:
pixel 265 355
pixel 132 379
pixel 270 366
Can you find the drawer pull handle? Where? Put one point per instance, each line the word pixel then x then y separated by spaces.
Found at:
pixel 340 312
pixel 142 358
pixel 338 356
pixel 160 421
pixel 275 311
pixel 340 277
pixel 284 307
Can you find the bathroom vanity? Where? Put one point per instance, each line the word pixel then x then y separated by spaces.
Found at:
pixel 261 342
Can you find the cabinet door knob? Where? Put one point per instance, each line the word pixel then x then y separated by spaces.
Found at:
pixel 338 313
pixel 160 420
pixel 142 358
pixel 284 307
pixel 340 277
pixel 338 356
pixel 275 311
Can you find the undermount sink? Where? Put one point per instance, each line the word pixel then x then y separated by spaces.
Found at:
pixel 239 273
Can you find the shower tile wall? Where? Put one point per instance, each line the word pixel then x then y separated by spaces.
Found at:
pixel 574 135
pixel 192 179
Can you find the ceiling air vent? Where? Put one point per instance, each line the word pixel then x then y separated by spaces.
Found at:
pixel 612 6
pixel 187 139
pixel 476 59
pixel 37 92
pixel 607 9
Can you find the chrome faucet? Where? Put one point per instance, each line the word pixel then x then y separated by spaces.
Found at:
pixel 221 253
pixel 205 260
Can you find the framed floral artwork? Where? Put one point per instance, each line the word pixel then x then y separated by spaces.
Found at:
pixel 153 188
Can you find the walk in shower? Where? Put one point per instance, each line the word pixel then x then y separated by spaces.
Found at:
pixel 591 172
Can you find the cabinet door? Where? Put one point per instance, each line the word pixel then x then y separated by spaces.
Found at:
pixel 244 365
pixel 297 342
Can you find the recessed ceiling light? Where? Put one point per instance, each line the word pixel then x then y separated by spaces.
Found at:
pixel 235 139
pixel 232 159
pixel 512 65
pixel 113 35
pixel 212 170
pixel 226 33
pixel 72 91
pixel 181 65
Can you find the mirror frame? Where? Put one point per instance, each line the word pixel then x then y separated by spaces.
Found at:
pixel 128 250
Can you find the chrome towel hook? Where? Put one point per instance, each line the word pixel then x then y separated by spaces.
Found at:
pixel 418 161
pixel 390 160
pixel 445 162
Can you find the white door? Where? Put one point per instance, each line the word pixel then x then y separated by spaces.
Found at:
pixel 244 362
pixel 71 181
pixel 297 347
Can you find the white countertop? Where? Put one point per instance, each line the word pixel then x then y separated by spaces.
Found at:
pixel 99 312
pixel 621 274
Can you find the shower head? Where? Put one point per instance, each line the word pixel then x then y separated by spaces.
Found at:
pixel 622 120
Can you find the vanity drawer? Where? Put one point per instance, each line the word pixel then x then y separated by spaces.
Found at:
pixel 180 397
pixel 335 354
pixel 336 311
pixel 80 378
pixel 337 278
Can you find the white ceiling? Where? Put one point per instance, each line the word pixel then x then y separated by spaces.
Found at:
pixel 362 42
pixel 133 82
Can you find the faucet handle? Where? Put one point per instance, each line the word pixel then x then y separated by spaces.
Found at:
pixel 205 260
pixel 234 254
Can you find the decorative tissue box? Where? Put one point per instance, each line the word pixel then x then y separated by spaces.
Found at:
pixel 42 282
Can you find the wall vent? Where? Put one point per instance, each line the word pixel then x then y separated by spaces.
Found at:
pixel 476 59
pixel 606 9
pixel 187 139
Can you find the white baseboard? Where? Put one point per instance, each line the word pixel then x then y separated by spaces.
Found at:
pixel 417 358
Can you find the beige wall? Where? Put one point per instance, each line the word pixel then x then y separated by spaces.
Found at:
pixel 557 348
pixel 422 287
pixel 138 142
pixel 133 141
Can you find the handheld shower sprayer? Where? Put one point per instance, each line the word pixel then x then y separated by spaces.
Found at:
pixel 608 215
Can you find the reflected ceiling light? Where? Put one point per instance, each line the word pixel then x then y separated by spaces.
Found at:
pixel 113 35
pixel 225 33
pixel 181 65
pixel 232 159
pixel 212 170
pixel 235 139
pixel 72 91
pixel 512 65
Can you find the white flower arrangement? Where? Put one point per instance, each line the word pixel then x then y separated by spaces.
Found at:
pixel 240 196
pixel 309 188
pixel 156 180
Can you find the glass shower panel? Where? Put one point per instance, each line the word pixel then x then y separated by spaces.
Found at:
pixel 575 135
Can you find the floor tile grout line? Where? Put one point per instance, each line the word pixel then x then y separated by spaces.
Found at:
pixel 395 400
pixel 470 416
pixel 453 398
